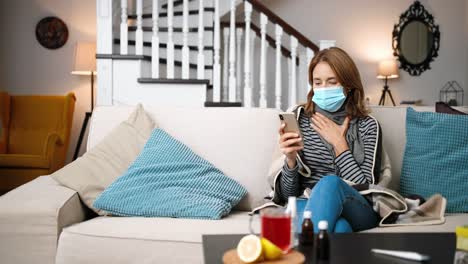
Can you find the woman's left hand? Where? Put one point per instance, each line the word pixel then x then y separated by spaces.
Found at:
pixel 334 134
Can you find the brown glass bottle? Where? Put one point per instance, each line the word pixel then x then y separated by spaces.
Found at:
pixel 307 233
pixel 323 243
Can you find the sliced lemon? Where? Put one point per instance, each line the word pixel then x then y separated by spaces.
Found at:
pixel 270 250
pixel 249 249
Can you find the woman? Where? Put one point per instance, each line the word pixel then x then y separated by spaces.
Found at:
pixel 339 147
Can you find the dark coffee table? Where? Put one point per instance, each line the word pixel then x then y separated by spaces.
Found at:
pixel 355 248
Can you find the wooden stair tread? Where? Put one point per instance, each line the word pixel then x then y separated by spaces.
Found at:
pixel 162 45
pixel 176 13
pixel 173 81
pixel 165 29
pixel 223 104
pixel 146 58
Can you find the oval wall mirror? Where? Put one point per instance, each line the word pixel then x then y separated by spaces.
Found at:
pixel 416 39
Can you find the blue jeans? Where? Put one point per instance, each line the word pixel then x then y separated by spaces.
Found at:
pixel 341 206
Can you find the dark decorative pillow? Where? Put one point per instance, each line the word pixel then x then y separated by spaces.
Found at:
pixel 444 108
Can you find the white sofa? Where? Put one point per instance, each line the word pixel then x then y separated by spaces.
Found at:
pixel 43 222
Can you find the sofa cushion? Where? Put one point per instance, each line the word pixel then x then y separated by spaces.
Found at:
pixel 214 134
pixel 166 240
pixel 99 167
pixel 149 240
pixel 393 123
pixel 436 157
pixel 168 179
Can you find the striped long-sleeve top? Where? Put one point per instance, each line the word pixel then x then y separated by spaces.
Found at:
pixel 321 162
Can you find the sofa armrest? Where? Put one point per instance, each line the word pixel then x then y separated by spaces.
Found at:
pixel 32 217
pixel 51 151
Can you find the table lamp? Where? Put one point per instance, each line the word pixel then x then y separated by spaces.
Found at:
pixel 85 64
pixel 388 69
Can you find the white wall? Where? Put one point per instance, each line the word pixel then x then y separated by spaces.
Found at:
pixel 364 29
pixel 28 68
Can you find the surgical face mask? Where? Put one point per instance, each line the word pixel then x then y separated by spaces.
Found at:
pixel 330 98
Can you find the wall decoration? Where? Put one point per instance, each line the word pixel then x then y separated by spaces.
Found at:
pixel 416 39
pixel 51 32
pixel 452 93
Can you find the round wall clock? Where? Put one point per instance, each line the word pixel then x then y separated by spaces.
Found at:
pixel 51 32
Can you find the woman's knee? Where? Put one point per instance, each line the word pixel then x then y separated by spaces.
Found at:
pixel 330 181
pixel 342 226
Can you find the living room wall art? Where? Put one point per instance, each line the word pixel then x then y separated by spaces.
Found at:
pixel 416 39
pixel 51 32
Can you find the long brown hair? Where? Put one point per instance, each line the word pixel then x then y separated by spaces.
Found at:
pixel 347 74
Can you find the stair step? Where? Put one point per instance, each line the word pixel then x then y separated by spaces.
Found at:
pixel 176 13
pixel 173 81
pixel 146 58
pixel 179 63
pixel 163 45
pixel 176 3
pixel 123 57
pixel 223 104
pixel 177 37
pixel 165 29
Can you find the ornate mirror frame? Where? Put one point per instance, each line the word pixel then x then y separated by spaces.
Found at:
pixel 416 12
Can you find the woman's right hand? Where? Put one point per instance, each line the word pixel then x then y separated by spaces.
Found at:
pixel 290 144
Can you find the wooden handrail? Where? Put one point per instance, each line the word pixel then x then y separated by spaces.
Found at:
pixel 260 7
pixel 269 39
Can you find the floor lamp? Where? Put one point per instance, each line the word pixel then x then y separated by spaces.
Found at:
pixel 388 69
pixel 85 64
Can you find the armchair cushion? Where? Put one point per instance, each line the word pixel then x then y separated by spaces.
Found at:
pixel 23 161
pixel 32 217
pixel 109 159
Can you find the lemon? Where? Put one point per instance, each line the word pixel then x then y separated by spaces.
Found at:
pixel 270 250
pixel 249 249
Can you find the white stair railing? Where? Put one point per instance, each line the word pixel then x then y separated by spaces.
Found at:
pixel 232 54
pixel 253 68
pixel 123 28
pixel 293 89
pixel 201 54
pixel 139 30
pixel 170 41
pixel 155 42
pixel 216 57
pixel 263 24
pixel 227 81
pixel 310 55
pixel 247 73
pixel 225 63
pixel 278 33
pixel 185 49
pixel 239 32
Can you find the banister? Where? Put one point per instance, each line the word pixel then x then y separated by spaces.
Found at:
pixel 271 41
pixel 260 7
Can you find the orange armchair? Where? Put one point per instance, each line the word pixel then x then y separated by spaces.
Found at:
pixel 34 136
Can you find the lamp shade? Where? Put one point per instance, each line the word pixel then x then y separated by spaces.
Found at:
pixel 387 69
pixel 85 58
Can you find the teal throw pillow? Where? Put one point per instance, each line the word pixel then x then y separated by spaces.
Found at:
pixel 168 179
pixel 436 158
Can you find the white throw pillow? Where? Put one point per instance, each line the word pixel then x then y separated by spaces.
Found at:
pixel 109 159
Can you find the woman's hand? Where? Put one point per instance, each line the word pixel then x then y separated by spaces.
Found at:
pixel 334 134
pixel 290 144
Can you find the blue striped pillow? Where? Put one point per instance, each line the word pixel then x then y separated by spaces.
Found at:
pixel 436 158
pixel 168 179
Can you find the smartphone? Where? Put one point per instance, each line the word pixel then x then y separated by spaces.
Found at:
pixel 291 123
